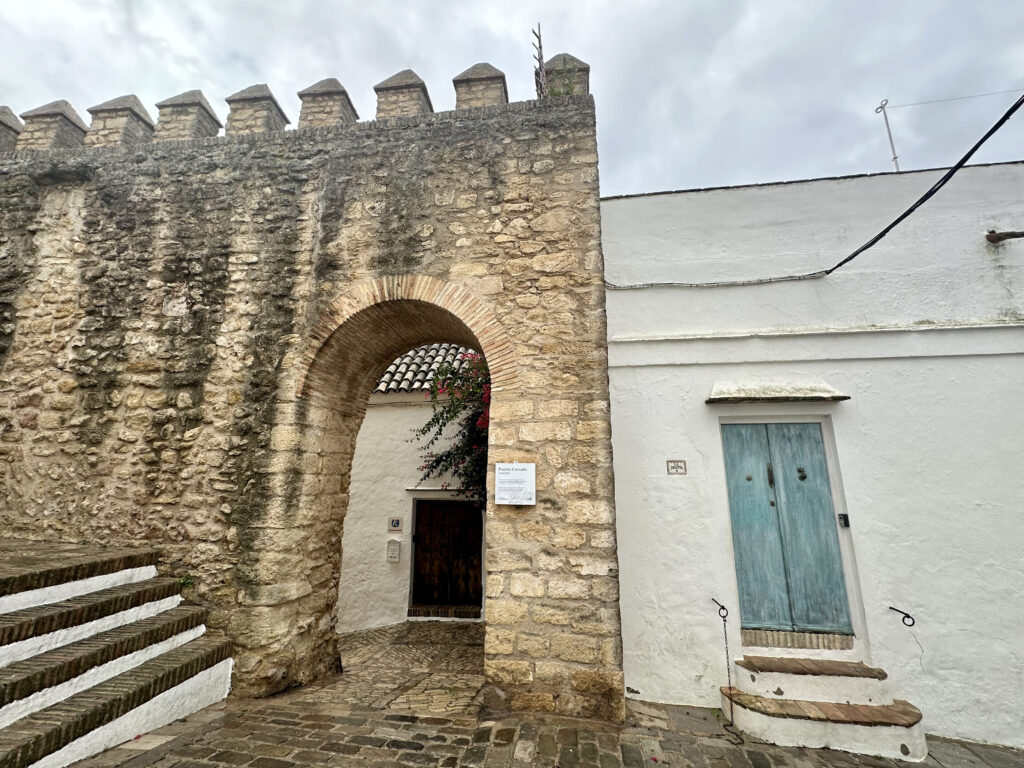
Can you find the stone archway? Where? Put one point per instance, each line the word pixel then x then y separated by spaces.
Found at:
pixel 551 640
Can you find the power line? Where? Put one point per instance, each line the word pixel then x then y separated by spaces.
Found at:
pixel 954 98
pixel 873 241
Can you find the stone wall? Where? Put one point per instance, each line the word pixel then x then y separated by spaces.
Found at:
pixel 189 332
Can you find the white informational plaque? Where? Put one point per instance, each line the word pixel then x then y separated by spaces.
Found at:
pixel 515 483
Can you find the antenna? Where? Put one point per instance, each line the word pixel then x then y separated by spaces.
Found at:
pixel 885 115
pixel 540 78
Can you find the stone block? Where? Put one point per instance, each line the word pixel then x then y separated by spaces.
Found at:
pixel 526 585
pixel 568 588
pixel 539 431
pixel 509 672
pixel 593 430
pixel 506 611
pixel 571 647
pixel 590 511
pixel 500 642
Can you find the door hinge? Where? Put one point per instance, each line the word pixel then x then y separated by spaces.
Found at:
pixel 844 519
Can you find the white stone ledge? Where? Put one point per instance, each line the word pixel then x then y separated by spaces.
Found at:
pixel 816 345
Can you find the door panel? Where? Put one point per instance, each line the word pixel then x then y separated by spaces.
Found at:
pixel 814 568
pixel 446 554
pixel 466 538
pixel 431 554
pixel 760 567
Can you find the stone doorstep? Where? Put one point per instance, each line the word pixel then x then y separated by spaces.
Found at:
pixel 26 565
pixel 44 732
pixel 826 667
pixel 899 713
pixel 23 678
pixel 43 619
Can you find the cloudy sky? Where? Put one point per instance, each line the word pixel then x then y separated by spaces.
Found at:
pixel 689 93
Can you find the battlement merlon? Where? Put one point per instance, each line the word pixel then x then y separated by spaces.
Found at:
pixel 324 104
pixel 566 75
pixel 10 128
pixel 254 110
pixel 119 122
pixel 124 121
pixel 402 95
pixel 186 116
pixel 52 126
pixel 482 85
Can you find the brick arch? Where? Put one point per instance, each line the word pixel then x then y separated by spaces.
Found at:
pixel 291 555
pixel 360 303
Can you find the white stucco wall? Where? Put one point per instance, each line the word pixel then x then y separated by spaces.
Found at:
pixel 372 591
pixel 924 332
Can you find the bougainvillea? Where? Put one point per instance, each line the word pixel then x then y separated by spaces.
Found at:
pixel 460 397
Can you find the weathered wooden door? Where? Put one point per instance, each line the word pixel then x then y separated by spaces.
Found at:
pixel 788 565
pixel 446 554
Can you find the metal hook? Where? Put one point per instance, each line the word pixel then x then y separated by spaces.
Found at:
pixel 907 619
pixel 722 610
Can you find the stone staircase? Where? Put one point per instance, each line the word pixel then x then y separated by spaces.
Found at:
pixel 95 649
pixel 818 702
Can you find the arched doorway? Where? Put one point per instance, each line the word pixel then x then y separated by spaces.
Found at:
pixel 412 545
pixel 552 626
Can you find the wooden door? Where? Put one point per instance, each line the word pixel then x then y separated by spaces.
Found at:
pixel 788 564
pixel 446 554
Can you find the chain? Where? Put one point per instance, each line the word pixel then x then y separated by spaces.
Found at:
pixel 730 728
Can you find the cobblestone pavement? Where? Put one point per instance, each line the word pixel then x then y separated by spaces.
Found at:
pixel 409 697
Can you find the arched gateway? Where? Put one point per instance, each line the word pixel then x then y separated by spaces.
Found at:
pixel 196 323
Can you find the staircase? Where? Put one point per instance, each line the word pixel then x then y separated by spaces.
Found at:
pixel 844 705
pixel 95 649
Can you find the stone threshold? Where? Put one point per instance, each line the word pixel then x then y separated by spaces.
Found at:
pixel 444 611
pixel 777 638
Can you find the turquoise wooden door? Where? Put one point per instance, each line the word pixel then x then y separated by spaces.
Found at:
pixel 788 566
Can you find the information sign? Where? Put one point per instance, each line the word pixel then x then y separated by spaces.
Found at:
pixel 515 483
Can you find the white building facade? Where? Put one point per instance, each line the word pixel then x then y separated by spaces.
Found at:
pixel 924 333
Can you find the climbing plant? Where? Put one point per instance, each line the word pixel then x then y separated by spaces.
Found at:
pixel 460 396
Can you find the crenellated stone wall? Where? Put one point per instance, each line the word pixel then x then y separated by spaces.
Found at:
pixel 190 329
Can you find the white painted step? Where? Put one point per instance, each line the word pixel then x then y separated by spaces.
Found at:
pixel 841 682
pixel 892 731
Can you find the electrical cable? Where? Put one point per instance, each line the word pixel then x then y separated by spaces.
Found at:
pixel 953 98
pixel 870 243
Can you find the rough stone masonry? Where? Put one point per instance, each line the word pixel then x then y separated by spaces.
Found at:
pixel 190 326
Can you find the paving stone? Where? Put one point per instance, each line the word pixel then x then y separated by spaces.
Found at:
pixel 330 723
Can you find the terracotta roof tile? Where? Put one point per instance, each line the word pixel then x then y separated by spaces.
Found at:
pixel 413 371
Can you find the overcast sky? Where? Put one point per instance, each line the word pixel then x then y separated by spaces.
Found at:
pixel 689 94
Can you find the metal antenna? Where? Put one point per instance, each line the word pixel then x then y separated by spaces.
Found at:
pixel 885 116
pixel 540 78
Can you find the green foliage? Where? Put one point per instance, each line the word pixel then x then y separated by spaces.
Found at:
pixel 462 398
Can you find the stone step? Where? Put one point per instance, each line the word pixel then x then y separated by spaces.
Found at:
pixel 35 630
pixel 891 730
pixel 33 565
pixel 832 680
pixel 53 668
pixel 110 703
pixel 795 666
